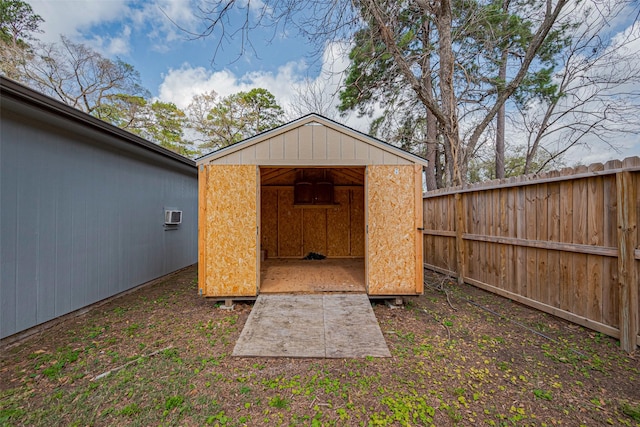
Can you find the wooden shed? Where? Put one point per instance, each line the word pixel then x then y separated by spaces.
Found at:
pixel 310 187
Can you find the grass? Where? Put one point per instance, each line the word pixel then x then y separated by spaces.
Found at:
pixel 475 372
pixel 632 411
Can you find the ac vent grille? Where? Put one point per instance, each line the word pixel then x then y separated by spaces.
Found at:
pixel 172 217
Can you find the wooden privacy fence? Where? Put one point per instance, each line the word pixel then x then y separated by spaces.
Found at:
pixel 563 242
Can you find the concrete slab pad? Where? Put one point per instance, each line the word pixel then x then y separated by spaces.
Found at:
pixel 316 325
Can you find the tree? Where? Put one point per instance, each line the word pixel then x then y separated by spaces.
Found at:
pixel 18 24
pixel 81 77
pixel 398 45
pixel 430 48
pixel 166 127
pixel 125 111
pixel 313 96
pixel 482 167
pixel 234 117
pixel 506 36
pixel 159 122
pixel 198 113
pixel 597 91
pixel 107 89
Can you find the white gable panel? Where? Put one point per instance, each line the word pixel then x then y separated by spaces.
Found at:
pixel 313 142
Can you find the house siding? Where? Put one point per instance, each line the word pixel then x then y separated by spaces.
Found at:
pixel 82 215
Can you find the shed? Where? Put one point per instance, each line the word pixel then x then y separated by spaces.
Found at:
pixel 312 186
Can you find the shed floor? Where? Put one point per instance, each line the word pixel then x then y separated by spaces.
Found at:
pixel 311 276
pixel 318 325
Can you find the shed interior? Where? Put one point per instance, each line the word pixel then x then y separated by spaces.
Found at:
pixel 305 210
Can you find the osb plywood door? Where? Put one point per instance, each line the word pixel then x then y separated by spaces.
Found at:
pixel 394 243
pixel 228 230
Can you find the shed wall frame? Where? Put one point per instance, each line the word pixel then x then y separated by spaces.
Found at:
pixel 239 184
pixel 382 203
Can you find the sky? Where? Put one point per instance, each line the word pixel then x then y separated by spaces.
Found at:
pixel 156 37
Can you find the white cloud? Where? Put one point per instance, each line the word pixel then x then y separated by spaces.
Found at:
pixel 161 21
pixel 70 17
pixel 181 84
pixel 113 46
pixel 166 21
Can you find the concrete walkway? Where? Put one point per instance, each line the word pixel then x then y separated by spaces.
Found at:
pixel 312 325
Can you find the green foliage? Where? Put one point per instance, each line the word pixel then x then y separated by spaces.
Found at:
pixel 395 65
pixel 632 411
pixel 18 22
pixel 159 122
pixel 130 410
pixel 237 117
pixel 407 409
pixel 166 128
pixel 278 402
pixel 11 414
pixel 109 89
pixel 543 394
pixel 63 357
pixel 219 419
pixel 173 402
pixel 125 111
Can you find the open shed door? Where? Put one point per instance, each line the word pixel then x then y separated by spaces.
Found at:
pixel 228 230
pixel 394 230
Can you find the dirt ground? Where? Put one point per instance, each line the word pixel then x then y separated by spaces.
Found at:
pixel 161 356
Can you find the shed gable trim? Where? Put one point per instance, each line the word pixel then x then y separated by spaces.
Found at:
pixel 304 150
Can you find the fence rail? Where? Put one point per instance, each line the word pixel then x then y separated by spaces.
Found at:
pixel 564 242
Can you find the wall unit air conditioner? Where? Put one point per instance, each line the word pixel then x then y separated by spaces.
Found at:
pixel 172 217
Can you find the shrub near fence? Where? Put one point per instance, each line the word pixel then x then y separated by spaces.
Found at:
pixel 564 242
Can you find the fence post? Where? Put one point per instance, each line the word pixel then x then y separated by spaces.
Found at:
pixel 627 275
pixel 460 252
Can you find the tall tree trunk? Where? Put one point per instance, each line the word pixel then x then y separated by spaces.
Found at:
pixel 432 123
pixel 501 119
pixel 455 157
pixel 500 116
pixel 440 183
pixel 432 148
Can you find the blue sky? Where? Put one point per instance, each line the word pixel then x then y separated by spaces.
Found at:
pixel 174 67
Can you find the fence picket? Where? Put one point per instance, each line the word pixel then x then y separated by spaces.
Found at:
pixel 551 241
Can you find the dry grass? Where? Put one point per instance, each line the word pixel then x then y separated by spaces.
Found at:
pixel 454 363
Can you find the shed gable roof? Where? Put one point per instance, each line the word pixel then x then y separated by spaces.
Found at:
pixel 311 140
